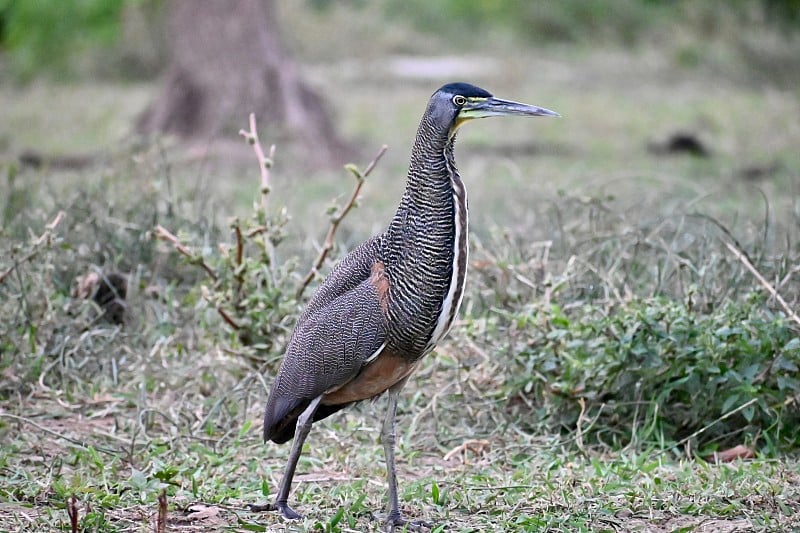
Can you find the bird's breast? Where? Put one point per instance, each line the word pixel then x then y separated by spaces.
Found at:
pixel 386 370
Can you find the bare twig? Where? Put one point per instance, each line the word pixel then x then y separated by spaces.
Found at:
pixel 43 238
pixel 499 487
pixel 746 262
pixel 256 231
pixel 337 218
pixel 477 446
pixel 264 166
pixel 227 318
pixel 264 162
pixel 238 272
pixel 164 234
pixel 239 244
pixel 72 512
pixel 579 426
pixel 723 229
pixel 161 521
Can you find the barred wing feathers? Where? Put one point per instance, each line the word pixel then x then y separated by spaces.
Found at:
pixel 342 327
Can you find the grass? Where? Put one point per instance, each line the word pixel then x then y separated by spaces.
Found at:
pixel 575 226
pixel 516 483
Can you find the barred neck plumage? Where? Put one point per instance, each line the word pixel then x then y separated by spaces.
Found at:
pixel 425 246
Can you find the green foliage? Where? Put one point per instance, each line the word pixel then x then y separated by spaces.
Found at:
pixel 254 290
pixel 659 367
pixel 45 35
pixel 623 21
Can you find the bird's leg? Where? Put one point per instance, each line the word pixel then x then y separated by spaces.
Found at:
pixel 281 504
pixel 389 437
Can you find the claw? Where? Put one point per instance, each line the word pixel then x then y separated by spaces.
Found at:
pixel 287 512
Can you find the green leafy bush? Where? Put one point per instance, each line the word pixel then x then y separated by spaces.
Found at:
pixel 253 290
pixel 247 286
pixel 656 368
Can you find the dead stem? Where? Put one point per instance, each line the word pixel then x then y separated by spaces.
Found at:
pixel 42 239
pixel 746 262
pixel 264 162
pixel 336 220
pixel 163 233
pixel 161 521
pixel 72 512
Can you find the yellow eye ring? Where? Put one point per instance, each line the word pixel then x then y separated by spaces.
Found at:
pixel 459 100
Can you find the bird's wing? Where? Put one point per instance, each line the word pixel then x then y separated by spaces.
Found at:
pixel 342 329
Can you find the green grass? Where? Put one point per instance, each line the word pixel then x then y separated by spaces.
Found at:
pixel 580 236
pixel 516 483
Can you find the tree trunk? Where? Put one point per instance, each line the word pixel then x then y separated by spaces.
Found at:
pixel 226 62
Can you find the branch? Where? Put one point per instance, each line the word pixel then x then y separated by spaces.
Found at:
pixel 227 318
pixel 264 166
pixel 161 518
pixel 164 234
pixel 239 244
pixel 44 237
pixel 746 262
pixel 264 162
pixel 72 512
pixel 337 219
pixel 59 434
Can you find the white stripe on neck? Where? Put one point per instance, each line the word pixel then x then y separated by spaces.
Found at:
pixel 444 321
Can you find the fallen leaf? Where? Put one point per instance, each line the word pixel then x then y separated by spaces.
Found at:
pixel 479 447
pixel 201 512
pixel 731 454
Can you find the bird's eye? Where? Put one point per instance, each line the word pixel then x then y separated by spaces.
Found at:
pixel 459 100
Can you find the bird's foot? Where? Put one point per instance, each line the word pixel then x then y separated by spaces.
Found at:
pixel 395 520
pixel 282 507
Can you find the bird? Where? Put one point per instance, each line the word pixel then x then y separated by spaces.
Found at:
pixel 388 302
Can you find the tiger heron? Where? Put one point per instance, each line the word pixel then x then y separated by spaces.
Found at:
pixel 388 302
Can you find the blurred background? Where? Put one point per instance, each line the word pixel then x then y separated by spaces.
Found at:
pixel 692 98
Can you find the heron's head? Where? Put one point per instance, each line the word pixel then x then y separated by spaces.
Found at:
pixel 456 103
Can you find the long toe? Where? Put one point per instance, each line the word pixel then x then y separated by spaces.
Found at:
pixel 284 509
pixel 407 525
pixel 261 507
pixel 396 522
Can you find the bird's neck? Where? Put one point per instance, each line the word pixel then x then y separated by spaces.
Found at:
pixel 427 207
pixel 432 172
pixel 426 245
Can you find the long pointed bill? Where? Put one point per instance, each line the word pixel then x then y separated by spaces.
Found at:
pixel 497 107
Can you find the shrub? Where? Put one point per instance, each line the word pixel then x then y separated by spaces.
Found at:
pixel 656 368
pixel 254 292
pixel 46 333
